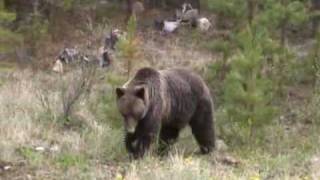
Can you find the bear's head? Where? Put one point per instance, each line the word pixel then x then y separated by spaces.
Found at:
pixel 133 105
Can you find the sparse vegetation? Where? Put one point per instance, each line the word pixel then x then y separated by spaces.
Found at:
pixel 259 59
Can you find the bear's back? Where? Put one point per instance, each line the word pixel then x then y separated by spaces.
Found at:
pixel 184 91
pixel 175 81
pixel 144 76
pixel 185 80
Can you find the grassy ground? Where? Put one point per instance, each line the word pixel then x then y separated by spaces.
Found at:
pixel 37 142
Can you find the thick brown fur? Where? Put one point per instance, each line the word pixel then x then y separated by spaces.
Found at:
pixel 165 102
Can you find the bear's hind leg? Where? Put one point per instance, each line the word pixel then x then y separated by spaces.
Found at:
pixel 202 126
pixel 168 136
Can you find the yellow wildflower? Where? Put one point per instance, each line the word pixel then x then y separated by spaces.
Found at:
pixel 255 177
pixel 119 177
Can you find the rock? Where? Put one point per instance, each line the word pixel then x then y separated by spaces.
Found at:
pixel 6 168
pixel 204 24
pixel 58 67
pixel 166 26
pixel 40 148
pixel 170 26
pixel 54 148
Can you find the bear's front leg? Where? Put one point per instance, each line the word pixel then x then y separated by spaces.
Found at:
pixel 146 132
pixel 142 145
pixel 130 140
pixel 138 145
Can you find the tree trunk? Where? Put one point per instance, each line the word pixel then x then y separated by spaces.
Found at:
pixel 315 20
pixel 251 10
pixel 283 33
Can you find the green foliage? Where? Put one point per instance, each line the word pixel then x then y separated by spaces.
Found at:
pixel 6 17
pixel 313 106
pixel 219 69
pixel 273 14
pixel 8 38
pixel 248 93
pixel 67 4
pixel 109 145
pixel 106 107
pixel 34 31
pixel 33 157
pixel 71 4
pixel 132 28
pixel 276 12
pixel 254 79
pixel 279 15
pixel 231 8
pixel 110 112
pixel 128 45
pixel 315 59
pixel 66 160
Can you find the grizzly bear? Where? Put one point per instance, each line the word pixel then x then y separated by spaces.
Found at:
pixel 162 103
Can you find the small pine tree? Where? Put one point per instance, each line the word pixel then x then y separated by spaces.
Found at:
pixel 316 89
pixel 233 9
pixel 219 69
pixel 312 109
pixel 247 92
pixel 241 11
pixel 279 15
pixel 315 59
pixel 128 45
pixel 275 14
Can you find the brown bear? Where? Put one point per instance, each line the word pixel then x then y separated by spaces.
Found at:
pixel 164 102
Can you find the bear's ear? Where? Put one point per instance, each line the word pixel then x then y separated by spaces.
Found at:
pixel 120 92
pixel 140 92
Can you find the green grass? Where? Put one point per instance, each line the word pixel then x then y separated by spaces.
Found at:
pixel 67 160
pixel 33 157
